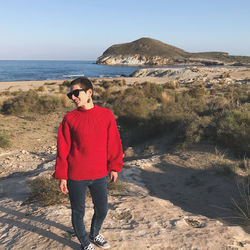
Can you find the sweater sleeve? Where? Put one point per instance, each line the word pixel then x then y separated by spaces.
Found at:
pixel 63 149
pixel 115 154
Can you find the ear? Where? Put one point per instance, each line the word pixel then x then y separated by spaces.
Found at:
pixel 90 92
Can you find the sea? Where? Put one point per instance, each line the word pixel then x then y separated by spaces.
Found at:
pixel 36 70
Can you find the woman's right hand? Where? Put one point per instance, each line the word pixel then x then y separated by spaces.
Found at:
pixel 63 186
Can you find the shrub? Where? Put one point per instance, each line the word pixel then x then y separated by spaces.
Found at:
pixel 106 84
pixel 66 83
pixel 242 205
pixel 4 139
pixel 5 93
pixel 22 103
pixel 152 90
pixel 47 104
pixel 170 85
pixel 62 88
pixel 125 215
pixel 45 190
pixel 197 92
pixel 142 117
pixel 99 92
pixel 116 188
pixel 66 102
pixel 119 82
pixel 42 88
pixel 166 98
pixel 106 96
pixel 233 129
pixel 194 128
pixel 29 102
pixel 133 104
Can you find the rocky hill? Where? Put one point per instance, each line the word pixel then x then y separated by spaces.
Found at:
pixel 147 51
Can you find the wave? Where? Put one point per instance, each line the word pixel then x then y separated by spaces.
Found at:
pixel 73 75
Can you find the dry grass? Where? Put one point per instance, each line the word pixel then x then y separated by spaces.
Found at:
pixel 31 102
pixel 45 190
pixel 125 215
pixel 117 188
pixel 4 139
pixel 242 205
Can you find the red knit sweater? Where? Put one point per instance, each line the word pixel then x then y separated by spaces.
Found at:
pixel 88 145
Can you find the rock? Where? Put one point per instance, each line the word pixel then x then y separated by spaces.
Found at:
pixel 129 152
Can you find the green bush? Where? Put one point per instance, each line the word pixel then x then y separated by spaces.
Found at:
pixel 233 129
pixel 194 128
pixel 197 92
pixel 133 104
pixel 30 102
pixel 152 90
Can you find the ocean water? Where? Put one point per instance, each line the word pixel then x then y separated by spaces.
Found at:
pixel 31 70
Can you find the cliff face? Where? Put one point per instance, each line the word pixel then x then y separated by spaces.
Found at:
pixel 147 51
pixel 154 60
pixel 134 60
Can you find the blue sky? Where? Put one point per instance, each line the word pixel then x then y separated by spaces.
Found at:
pixel 83 29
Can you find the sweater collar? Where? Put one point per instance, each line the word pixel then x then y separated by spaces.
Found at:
pixel 87 110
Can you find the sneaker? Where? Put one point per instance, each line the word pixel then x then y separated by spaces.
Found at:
pixel 99 241
pixel 89 247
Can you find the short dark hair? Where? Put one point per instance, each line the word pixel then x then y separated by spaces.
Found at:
pixel 84 82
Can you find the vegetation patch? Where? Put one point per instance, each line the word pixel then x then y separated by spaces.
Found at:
pixel 116 188
pixel 196 115
pixel 45 190
pixel 4 139
pixel 31 102
pixel 242 205
pixel 233 129
pixel 126 215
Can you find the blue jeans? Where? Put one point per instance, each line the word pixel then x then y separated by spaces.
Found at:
pixel 98 191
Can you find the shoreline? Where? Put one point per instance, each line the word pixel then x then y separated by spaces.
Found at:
pixel 152 74
pixel 26 85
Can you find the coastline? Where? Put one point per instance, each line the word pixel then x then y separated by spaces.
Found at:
pixel 153 74
pixel 26 85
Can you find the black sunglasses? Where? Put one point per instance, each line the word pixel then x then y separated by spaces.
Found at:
pixel 75 93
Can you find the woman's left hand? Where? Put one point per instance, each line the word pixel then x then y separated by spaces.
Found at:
pixel 113 176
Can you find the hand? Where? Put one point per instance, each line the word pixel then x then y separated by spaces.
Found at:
pixel 63 186
pixel 113 176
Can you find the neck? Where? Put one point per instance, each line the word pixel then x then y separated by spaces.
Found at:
pixel 89 105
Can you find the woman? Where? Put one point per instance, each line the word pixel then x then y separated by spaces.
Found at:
pixel 88 147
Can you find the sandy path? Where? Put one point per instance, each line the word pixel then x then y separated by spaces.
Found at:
pixel 161 214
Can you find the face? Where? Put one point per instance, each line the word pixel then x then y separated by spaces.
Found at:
pixel 83 97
